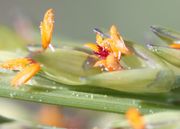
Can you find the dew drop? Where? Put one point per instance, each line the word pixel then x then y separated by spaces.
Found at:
pixel 105 96
pixel 87 62
pixel 92 96
pixel 31 97
pixel 151 111
pixel 133 102
pixel 60 88
pixel 82 78
pixel 104 107
pixel 77 95
pixel 102 69
pixel 23 89
pixel 11 95
pixel 87 95
pixel 73 93
pixel 54 87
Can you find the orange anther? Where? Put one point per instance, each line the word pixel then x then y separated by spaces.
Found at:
pixel 174 45
pixel 16 64
pixel 118 43
pixel 25 75
pixel 46 27
pixel 92 46
pixel 27 67
pixel 111 63
pixel 135 119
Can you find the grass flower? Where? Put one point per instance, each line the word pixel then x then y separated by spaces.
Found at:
pixel 109 49
pixel 27 66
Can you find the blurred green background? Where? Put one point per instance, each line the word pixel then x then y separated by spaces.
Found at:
pixel 75 19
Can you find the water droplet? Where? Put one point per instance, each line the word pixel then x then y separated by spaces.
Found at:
pixel 133 102
pixel 31 97
pixel 151 111
pixel 104 107
pixel 60 88
pixel 54 87
pixel 77 95
pixel 88 63
pixel 92 96
pixel 105 96
pixel 23 89
pixel 11 95
pixel 82 78
pixel 102 69
pixel 106 69
pixel 73 93
pixel 87 95
pixel 95 127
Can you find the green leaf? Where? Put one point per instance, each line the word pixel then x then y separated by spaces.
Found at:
pixel 165 34
pixel 5 120
pixel 47 91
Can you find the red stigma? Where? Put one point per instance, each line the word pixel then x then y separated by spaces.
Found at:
pixel 102 52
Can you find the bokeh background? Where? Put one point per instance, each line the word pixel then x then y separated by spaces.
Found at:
pixel 74 21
